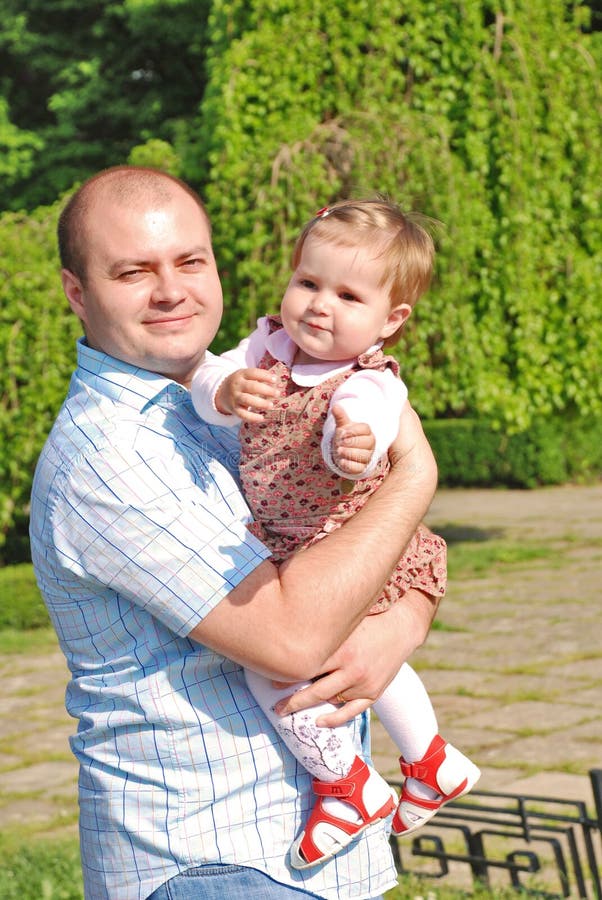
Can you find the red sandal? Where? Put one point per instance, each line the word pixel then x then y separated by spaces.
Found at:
pixel 442 768
pixel 325 834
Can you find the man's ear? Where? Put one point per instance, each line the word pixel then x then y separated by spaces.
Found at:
pixel 396 318
pixel 74 293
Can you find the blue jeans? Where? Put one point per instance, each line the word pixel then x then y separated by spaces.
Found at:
pixel 217 882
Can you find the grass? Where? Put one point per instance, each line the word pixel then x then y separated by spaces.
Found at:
pixel 471 555
pixel 14 641
pixel 34 867
pixel 46 869
pixel 24 621
pixel 21 606
pixel 471 559
pixel 411 887
pixel 49 869
pixel 40 870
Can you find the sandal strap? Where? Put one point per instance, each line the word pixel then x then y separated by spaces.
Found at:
pixel 346 787
pixel 425 769
pixel 333 789
pixel 413 770
pixel 309 850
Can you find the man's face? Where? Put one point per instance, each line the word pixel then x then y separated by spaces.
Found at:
pixel 151 295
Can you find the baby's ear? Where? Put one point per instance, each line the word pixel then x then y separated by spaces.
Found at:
pixel 396 318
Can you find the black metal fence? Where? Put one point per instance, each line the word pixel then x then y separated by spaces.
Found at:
pixel 542 846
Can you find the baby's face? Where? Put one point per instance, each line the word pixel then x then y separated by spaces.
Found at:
pixel 336 305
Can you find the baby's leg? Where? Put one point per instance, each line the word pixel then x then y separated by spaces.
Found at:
pixel 435 771
pixel 407 715
pixel 330 756
pixel 326 753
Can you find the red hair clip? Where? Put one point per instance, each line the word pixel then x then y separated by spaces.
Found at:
pixel 322 213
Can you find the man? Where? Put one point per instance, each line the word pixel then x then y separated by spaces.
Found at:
pixel 159 593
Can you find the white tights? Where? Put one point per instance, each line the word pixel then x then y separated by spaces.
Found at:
pixel 405 711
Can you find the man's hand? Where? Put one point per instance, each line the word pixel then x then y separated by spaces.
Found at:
pixel 247 393
pixel 352 443
pixel 366 663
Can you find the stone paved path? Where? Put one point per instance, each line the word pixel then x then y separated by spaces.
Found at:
pixel 517 679
pixel 515 673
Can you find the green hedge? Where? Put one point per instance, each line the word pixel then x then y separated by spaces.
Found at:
pixel 475 453
pixel 483 115
pixel 37 335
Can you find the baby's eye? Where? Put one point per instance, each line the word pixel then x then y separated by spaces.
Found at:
pixel 308 283
pixel 352 298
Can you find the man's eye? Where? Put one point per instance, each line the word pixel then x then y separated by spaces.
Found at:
pixel 130 274
pixel 194 263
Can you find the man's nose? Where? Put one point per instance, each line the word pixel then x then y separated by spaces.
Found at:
pixel 168 288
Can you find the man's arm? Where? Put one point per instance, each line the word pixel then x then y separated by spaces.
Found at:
pixel 286 623
pixel 366 663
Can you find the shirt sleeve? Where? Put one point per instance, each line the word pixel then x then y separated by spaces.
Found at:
pixel 376 398
pixel 164 532
pixel 214 369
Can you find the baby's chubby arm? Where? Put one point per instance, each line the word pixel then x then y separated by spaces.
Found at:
pixel 236 364
pixel 362 422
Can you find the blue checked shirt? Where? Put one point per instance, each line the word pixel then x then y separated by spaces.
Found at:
pixel 137 532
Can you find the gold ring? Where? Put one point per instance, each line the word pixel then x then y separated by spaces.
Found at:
pixel 340 698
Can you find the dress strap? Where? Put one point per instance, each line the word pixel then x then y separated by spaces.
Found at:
pixel 376 359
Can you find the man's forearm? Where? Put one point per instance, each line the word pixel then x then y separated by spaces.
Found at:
pixel 286 622
pixel 365 664
pixel 346 572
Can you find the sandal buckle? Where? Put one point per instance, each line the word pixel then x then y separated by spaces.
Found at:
pixel 414 770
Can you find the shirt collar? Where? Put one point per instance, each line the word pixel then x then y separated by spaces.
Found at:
pixel 121 381
pixel 282 348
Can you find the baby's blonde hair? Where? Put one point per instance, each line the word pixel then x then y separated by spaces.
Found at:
pixel 400 239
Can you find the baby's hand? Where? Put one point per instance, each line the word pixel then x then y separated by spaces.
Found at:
pixel 247 393
pixel 353 443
